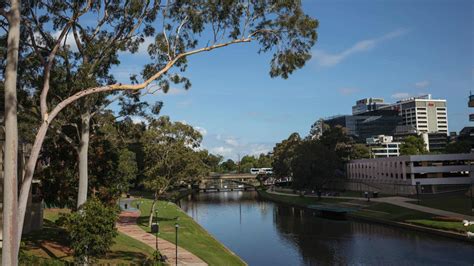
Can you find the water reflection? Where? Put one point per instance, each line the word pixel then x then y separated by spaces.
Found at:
pixel 265 233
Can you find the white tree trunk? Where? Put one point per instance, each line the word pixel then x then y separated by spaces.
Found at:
pixel 152 210
pixel 10 186
pixel 83 158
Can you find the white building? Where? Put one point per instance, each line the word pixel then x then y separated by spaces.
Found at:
pixel 383 146
pixel 400 175
pixel 425 114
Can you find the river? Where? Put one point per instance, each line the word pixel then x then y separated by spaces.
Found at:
pixel 262 232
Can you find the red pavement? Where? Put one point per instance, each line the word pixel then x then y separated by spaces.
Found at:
pixel 127 224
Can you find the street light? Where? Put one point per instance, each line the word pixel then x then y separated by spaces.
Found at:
pixel 418 191
pixel 155 228
pixel 177 227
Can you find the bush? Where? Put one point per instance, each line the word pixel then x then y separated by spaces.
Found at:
pixel 91 230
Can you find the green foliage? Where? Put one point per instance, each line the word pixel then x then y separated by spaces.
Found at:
pixel 127 166
pixel 210 160
pixel 463 146
pixel 314 165
pixel 247 162
pixel 170 158
pixel 228 166
pixel 283 154
pixel 26 260
pixel 413 145
pixel 91 230
pixel 359 151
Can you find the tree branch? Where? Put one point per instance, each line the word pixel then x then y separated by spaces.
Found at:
pixel 47 71
pixel 41 133
pixel 177 33
pixel 67 139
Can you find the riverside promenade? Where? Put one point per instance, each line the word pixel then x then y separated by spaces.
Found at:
pixel 399 201
pixel 127 224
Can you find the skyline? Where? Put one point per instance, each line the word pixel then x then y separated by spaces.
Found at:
pixel 394 50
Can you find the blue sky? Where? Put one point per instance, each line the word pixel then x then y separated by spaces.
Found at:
pixel 378 48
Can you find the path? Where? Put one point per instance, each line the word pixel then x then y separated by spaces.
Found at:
pixel 399 201
pixel 127 224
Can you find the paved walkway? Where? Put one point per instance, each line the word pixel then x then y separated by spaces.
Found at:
pixel 127 224
pixel 399 201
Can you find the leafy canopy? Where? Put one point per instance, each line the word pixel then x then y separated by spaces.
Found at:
pixel 91 230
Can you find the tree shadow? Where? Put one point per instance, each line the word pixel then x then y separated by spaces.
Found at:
pixel 143 220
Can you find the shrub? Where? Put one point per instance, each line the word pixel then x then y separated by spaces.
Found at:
pixel 91 230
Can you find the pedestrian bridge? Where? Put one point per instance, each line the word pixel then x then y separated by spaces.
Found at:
pixel 228 182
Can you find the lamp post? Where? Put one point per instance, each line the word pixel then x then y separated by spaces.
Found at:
pixel 177 227
pixel 471 188
pixel 155 229
pixel 418 191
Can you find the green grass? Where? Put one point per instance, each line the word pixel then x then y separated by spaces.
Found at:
pixel 453 203
pixel 298 200
pixel 444 225
pixel 192 236
pixel 389 212
pixel 51 243
pixel 392 212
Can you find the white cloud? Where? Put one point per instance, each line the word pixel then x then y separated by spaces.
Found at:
pixel 231 141
pixel 175 91
pixel 326 59
pixel 348 91
pixel 139 120
pixel 422 84
pixel 184 103
pixel 401 95
pixel 257 149
pixel 69 39
pixel 201 130
pixel 221 150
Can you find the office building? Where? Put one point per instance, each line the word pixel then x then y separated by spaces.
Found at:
pixel 367 105
pixel 366 125
pixel 425 114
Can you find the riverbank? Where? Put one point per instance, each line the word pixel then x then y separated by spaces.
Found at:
pixel 191 236
pixel 383 213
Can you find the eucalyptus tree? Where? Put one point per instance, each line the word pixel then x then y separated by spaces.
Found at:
pixel 314 165
pixel 283 154
pixel 170 156
pixel 186 28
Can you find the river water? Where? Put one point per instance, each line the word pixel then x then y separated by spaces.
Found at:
pixel 262 232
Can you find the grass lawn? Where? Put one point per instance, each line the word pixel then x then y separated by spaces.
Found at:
pixel 192 236
pixel 51 243
pixel 392 212
pixel 444 225
pixel 298 200
pixel 453 203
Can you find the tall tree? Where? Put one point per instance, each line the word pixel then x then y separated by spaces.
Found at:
pixel 228 166
pixel 11 227
pixel 188 27
pixel 413 145
pixel 170 157
pixel 283 154
pixel 314 165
